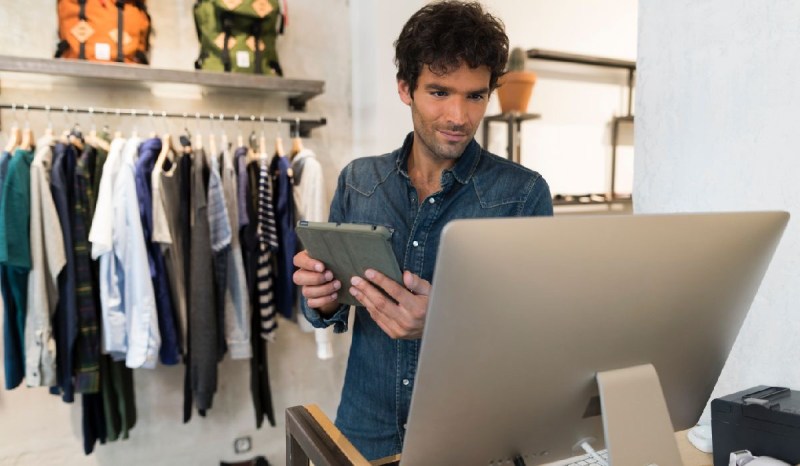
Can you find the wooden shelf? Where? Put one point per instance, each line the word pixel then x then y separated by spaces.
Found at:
pixel 298 91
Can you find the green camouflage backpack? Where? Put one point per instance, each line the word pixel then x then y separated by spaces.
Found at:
pixel 238 35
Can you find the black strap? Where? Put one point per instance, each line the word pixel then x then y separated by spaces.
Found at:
pixel 276 67
pixel 120 30
pixel 255 31
pixel 61 47
pixel 227 26
pixel 82 17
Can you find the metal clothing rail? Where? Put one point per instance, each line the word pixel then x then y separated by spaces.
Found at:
pixel 630 66
pixel 563 57
pixel 304 125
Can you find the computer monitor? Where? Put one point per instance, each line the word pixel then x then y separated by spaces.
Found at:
pixel 525 313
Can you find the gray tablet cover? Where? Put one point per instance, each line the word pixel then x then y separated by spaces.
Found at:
pixel 349 249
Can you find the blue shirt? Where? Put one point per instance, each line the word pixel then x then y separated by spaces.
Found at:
pixel 148 153
pixel 66 319
pixel 287 238
pixel 377 190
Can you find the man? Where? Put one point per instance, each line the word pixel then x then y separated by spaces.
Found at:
pixel 449 57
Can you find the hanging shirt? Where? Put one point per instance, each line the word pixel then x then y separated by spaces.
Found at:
pixel 267 248
pixel 220 230
pixel 8 302
pixel 66 321
pixel 101 235
pixel 203 329
pixel 284 217
pixel 311 204
pixel 241 189
pixel 168 231
pixel 15 261
pixel 87 344
pixel 237 302
pixel 148 153
pixel 134 283
pixel 47 261
pixel 259 363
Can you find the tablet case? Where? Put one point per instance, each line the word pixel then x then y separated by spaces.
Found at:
pixel 349 249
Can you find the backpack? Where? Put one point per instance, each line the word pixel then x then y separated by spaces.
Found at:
pixel 238 35
pixel 103 30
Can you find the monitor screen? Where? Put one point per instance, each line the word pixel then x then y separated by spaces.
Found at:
pixel 524 313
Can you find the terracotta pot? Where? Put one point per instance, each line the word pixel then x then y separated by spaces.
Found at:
pixel 514 91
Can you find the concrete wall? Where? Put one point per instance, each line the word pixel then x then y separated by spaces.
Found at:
pixel 36 428
pixel 716 131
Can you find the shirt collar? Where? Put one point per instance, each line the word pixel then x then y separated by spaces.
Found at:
pixel 462 170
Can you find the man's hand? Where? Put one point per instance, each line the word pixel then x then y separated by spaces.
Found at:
pixel 319 287
pixel 406 319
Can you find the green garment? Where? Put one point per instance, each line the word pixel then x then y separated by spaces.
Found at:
pixel 119 402
pixel 15 260
pixel 15 212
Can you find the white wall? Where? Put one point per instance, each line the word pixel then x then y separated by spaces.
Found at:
pixel 717 131
pixel 570 145
pixel 36 428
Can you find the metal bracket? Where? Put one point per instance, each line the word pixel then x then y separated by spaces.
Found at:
pixel 298 103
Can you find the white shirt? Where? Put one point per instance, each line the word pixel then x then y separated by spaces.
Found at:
pixel 131 258
pixel 48 258
pixel 237 300
pixel 312 205
pixel 113 320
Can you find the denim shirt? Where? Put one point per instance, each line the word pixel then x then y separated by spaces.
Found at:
pixel 377 190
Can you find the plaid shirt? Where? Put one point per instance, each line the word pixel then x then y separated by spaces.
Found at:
pixel 87 372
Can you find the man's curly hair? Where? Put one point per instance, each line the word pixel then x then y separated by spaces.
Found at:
pixel 444 34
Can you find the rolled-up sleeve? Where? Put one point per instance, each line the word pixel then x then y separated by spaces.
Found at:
pixel 338 319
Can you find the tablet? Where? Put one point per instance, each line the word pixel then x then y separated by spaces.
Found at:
pixel 349 249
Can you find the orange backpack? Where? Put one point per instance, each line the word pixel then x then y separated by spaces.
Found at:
pixel 103 30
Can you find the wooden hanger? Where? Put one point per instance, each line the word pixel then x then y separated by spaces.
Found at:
pixel 96 141
pixel 297 146
pixel 212 143
pixel 278 141
pixel 297 143
pixel 27 141
pixel 166 149
pixel 223 144
pixel 14 139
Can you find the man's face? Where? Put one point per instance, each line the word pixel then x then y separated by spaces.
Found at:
pixel 446 109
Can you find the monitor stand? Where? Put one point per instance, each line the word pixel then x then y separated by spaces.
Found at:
pixel 636 422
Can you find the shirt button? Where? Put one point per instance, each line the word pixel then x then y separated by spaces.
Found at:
pixel 406 382
pixel 415 243
pixel 431 200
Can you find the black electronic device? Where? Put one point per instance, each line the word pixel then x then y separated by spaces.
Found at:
pixel 764 420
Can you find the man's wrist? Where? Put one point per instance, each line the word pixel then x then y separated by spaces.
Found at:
pixel 328 309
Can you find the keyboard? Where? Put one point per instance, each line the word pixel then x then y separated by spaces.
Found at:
pixel 584 460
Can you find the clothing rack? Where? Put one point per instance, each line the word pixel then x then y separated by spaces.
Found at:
pixel 304 125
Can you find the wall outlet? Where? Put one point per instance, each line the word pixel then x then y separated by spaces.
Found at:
pixel 242 445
